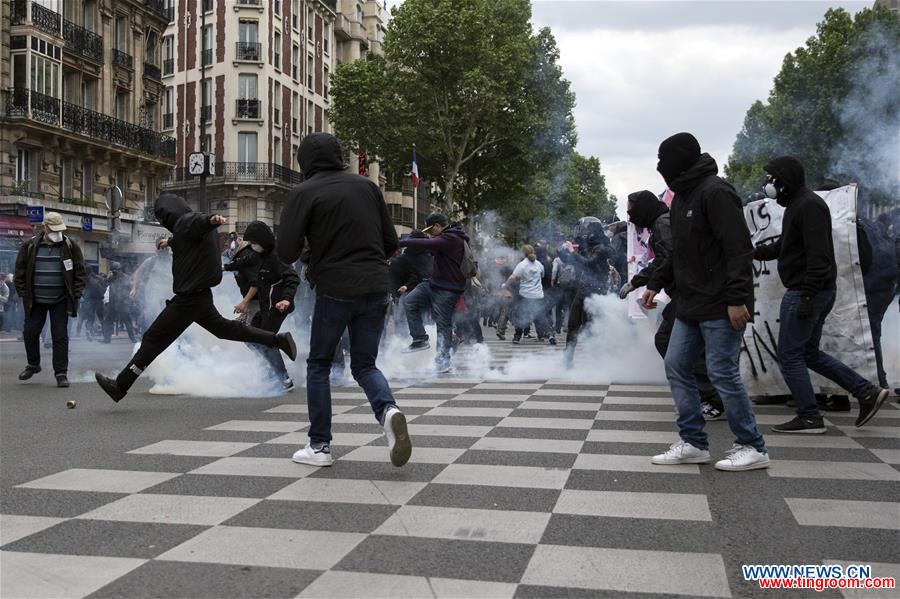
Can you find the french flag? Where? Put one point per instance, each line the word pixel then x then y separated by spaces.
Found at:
pixel 415 170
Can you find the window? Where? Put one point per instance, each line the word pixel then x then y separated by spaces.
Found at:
pixel 122 183
pixel 247 153
pixel 122 106
pixel 295 113
pixel 88 14
pixel 44 76
pixel 295 14
pixel 23 165
pixel 310 116
pixel 168 55
pixel 89 93
pixel 248 46
pixel 276 51
pixel 247 86
pixel 87 181
pixel 310 21
pixel 325 82
pixel 65 178
pixel 276 6
pixel 248 102
pixel 276 104
pixel 19 72
pixel 295 63
pixel 169 6
pixel 207 55
pixel 206 100
pixel 150 55
pixel 207 5
pixel 169 108
pixel 309 71
pixel 122 34
pixel 276 150
pixel 325 37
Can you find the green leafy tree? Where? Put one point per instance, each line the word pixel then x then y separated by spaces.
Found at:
pixel 834 105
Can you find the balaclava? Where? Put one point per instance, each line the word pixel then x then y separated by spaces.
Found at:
pixel 676 155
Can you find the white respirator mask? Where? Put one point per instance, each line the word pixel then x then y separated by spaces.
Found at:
pixel 257 248
pixel 56 236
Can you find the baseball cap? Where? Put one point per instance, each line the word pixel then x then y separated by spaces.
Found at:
pixel 435 218
pixel 54 221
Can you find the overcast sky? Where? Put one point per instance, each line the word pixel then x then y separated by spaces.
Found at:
pixel 642 71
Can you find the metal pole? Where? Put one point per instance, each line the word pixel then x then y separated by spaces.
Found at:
pixel 204 204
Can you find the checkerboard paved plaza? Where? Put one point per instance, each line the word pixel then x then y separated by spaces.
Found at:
pixel 537 488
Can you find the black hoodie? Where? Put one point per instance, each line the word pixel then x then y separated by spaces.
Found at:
pixel 712 255
pixel 345 219
pixel 647 211
pixel 805 250
pixel 275 281
pixel 196 262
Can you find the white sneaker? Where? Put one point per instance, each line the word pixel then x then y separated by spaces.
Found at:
pixel 743 457
pixel 399 443
pixel 287 384
pixel 314 457
pixel 682 452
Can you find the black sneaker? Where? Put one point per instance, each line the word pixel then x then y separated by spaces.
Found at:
pixel 62 380
pixel 516 339
pixel 29 372
pixel 834 403
pixel 420 345
pixel 501 336
pixel 285 342
pixel 552 340
pixel 808 425
pixel 110 386
pixel 869 406
pixel 770 400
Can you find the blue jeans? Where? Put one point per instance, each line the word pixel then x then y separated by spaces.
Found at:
pixel 364 316
pixel 798 353
pixel 442 302
pixel 723 347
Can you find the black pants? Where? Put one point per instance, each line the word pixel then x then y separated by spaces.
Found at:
pixel 117 310
pixel 270 320
pixel 59 332
pixel 708 392
pixel 88 313
pixel 180 312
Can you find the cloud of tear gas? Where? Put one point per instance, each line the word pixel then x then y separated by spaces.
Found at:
pixel 870 114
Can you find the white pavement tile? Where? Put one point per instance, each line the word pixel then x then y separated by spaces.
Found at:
pixel 504 397
pixel 262 426
pixel 296 408
pixel 360 395
pixel 833 470
pixel 421 403
pixel 368 418
pixel 661 506
pixel 630 463
pixel 602 435
pixel 528 445
pixel 339 490
pixel 13 528
pixel 879 570
pixel 890 432
pixel 634 416
pixel 503 476
pixel 430 391
pixel 554 423
pixel 638 401
pixel 509 386
pixel 661 389
pixel 358 585
pixel 171 509
pixel 561 405
pixel 571 393
pixel 341 439
pixel 845 513
pixel 628 570
pixel 48 576
pixel 108 481
pixel 214 449
pixel 441 430
pixel 466 524
pixel 819 441
pixel 888 456
pixel 266 547
pixel 257 467
pixel 420 455
pixel 450 410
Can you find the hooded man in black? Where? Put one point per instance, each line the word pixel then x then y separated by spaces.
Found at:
pixel 343 218
pixel 710 273
pixel 196 268
pixel 806 266
pixel 273 285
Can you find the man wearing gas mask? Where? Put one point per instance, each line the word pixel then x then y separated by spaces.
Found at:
pixel 710 270
pixel 806 266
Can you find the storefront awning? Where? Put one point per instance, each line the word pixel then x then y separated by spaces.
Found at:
pixel 15 226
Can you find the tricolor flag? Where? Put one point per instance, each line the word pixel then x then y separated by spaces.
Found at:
pixel 415 170
pixel 363 165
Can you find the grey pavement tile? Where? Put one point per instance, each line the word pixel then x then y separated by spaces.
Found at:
pixel 504 476
pixel 14 527
pixel 431 390
pixel 879 429
pixel 859 545
pixel 268 547
pixel 52 503
pixel 372 492
pixel 216 449
pixel 570 391
pixel 636 416
pixel 693 574
pixel 526 411
pixel 220 485
pixel 545 422
pixel 823 488
pixel 627 425
pixel 469 411
pixel 486 497
pixel 444 558
pixel 833 470
pixel 547 400
pixel 878 442
pixel 343 585
pixel 284 452
pixel 465 524
pixel 102 537
pixel 604 435
pixel 100 480
pixel 511 458
pixel 888 456
pixel 505 387
pixel 147 462
pixel 529 591
pixel 379 471
pixel 580 409
pixel 631 533
pixel 340 440
pixel 879 570
pixel 446 441
pixel 157 579
pixel 611 480
pixel 235 466
pixel 526 445
pixel 314 515
pixel 420 455
pixel 49 576
pixel 427 420
pixel 630 463
pixel 820 454
pixel 171 509
pixel 539 433
pixel 845 513
pixel 234 436
pixel 618 402
pixel 438 430
pixel 624 504
pixel 630 448
pixel 475 402
pixel 260 426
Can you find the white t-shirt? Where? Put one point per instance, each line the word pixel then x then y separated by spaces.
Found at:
pixel 529 275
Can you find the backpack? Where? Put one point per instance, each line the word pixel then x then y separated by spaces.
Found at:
pixel 467 265
pixel 566 275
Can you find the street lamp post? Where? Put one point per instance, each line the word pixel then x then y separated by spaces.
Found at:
pixel 204 202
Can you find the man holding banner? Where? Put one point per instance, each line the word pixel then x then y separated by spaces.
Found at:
pixel 807 268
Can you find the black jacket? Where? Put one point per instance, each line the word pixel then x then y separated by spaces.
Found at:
pixel 661 243
pixel 448 249
pixel 245 264
pixel 410 268
pixel 196 260
pixel 275 281
pixel 345 219
pixel 592 266
pixel 711 264
pixel 805 250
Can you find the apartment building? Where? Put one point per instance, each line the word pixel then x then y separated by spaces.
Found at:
pixel 80 115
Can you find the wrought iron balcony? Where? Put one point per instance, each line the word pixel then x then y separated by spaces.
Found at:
pixel 251 51
pixel 168 120
pixel 122 59
pixel 18 12
pixel 21 102
pixel 168 66
pixel 82 41
pixel 151 71
pixel 250 2
pixel 248 108
pixel 255 172
pixel 157 7
pixel 45 19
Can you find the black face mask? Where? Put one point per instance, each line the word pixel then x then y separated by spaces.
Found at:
pixel 669 169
